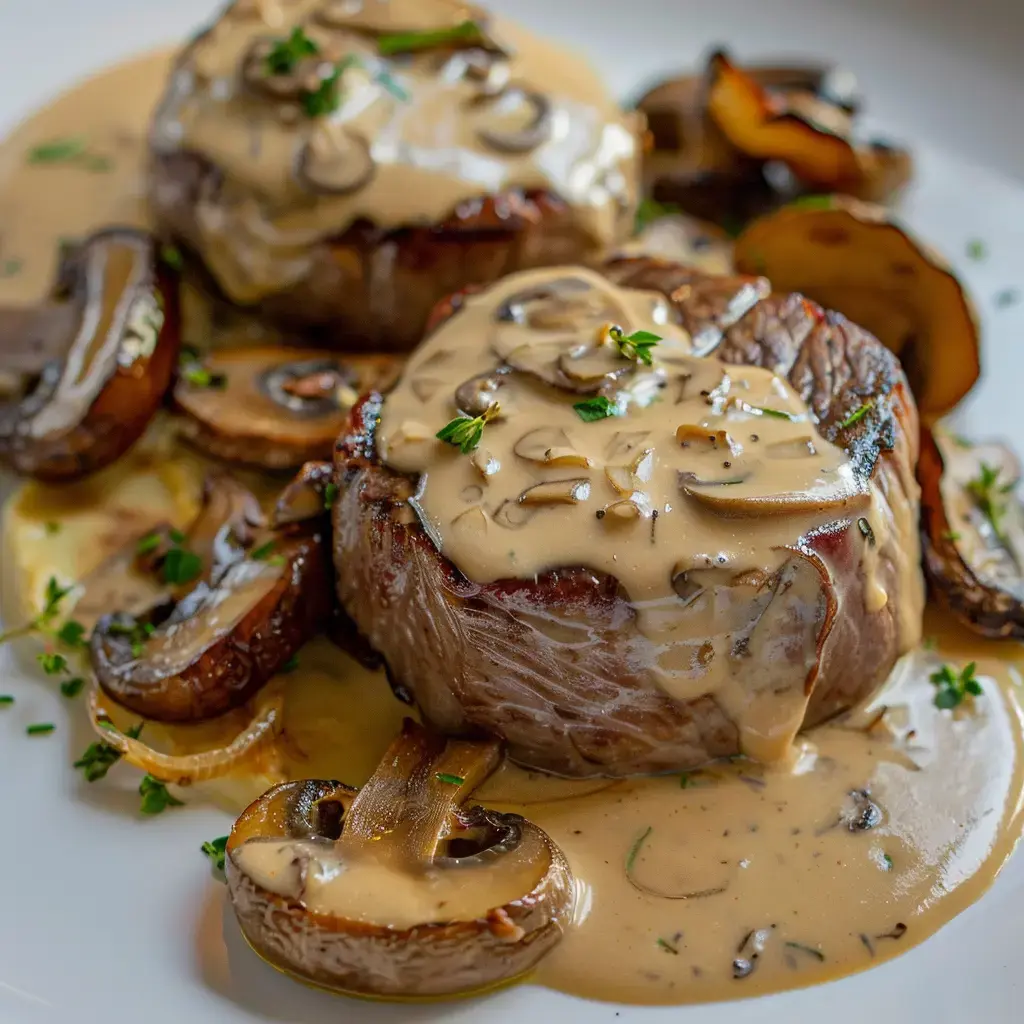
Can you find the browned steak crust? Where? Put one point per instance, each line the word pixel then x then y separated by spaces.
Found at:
pixel 567 691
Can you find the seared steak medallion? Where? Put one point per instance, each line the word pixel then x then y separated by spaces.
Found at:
pixel 670 517
pixel 351 164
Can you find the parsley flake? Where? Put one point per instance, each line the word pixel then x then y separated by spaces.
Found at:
pixel 598 408
pixel 40 729
pixel 636 346
pixel 409 42
pixel 976 249
pixel 330 495
pixel 72 687
pixel 155 797
pixel 73 150
pixel 452 780
pixel 6 700
pixel 72 634
pixel 215 850
pixel 53 664
pixel 286 53
pixel 953 687
pixel 465 432
pixel 181 566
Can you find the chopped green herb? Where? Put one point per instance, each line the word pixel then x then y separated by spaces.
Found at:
pixel 68 151
pixel 408 42
pixel 148 544
pixel 286 53
pixel 171 256
pixel 6 700
pixel 181 566
pixel 198 376
pixel 634 850
pixel 264 551
pixel 778 414
pixel 465 432
pixel 277 560
pixel 857 414
pixel 954 687
pixel 636 346
pixel 888 861
pixel 651 210
pixel 685 780
pixel 599 408
pixel 40 729
pixel 326 97
pixel 215 850
pixel 951 535
pixel 52 528
pixel 929 643
pixel 100 757
pixel 155 797
pixel 330 495
pixel 976 249
pixel 812 203
pixel 991 496
pixel 72 687
pixel 55 593
pixel 72 634
pixel 53 664
pixel 176 536
pixel 290 665
pixel 452 780
pixel 961 442
pixel 667 946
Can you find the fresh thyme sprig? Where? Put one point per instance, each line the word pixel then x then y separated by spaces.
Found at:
pixel 465 432
pixel 636 346
pixel 991 497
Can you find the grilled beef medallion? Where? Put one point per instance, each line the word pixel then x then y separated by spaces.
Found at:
pixel 351 164
pixel 634 519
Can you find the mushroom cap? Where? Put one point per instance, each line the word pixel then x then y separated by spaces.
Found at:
pixel 213 643
pixel 276 407
pixel 398 891
pixel 972 570
pixel 856 258
pixel 104 351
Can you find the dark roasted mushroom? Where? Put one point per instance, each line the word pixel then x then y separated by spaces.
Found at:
pixel 305 497
pixel 275 408
pixel 240 613
pixel 856 258
pixel 96 359
pixel 398 890
pixel 973 532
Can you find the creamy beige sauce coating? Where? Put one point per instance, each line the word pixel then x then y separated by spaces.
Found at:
pixel 947 789
pixel 705 469
pixel 412 137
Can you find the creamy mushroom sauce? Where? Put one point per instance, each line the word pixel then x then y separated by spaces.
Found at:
pixel 811 897
pixel 414 135
pixel 707 475
pixel 947 787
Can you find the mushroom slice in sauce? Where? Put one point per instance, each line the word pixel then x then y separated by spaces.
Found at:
pixel 517 137
pixel 855 258
pixel 476 395
pixel 399 16
pixel 276 407
pixel 98 358
pixel 549 446
pixel 398 890
pixel 335 161
pixel 556 492
pixel 276 84
pixel 973 532
pixel 210 649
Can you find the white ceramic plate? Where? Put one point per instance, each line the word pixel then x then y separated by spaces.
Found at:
pixel 106 917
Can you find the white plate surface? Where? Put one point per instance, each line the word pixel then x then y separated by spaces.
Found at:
pixel 105 917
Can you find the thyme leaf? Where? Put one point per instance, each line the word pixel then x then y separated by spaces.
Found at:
pixel 465 432
pixel 598 408
pixel 636 346
pixel 991 497
pixel 215 850
pixel 953 688
pixel 286 53
pixel 155 797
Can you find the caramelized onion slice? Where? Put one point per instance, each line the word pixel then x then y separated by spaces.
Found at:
pixel 98 358
pixel 398 890
pixel 855 258
pixel 973 532
pixel 276 407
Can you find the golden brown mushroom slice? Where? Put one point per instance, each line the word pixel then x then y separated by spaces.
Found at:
pixel 400 890
pixel 855 258
pixel 240 602
pixel 93 362
pixel 973 532
pixel 809 133
pixel 274 407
